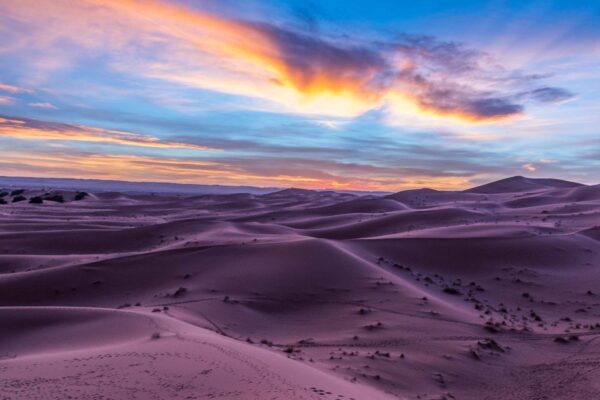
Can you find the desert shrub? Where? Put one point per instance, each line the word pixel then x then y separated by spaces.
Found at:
pixel 3 194
pixel 56 198
pixel 451 290
pixel 2 201
pixel 36 200
pixel 17 192
pixel 179 292
pixel 81 196
pixel 17 199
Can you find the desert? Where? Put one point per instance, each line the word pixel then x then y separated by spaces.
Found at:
pixel 487 293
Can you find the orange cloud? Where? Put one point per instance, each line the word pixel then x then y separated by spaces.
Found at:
pixel 139 168
pixel 185 170
pixel 293 71
pixel 42 130
pixel 530 167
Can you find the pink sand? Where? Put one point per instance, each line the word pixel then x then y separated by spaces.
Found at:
pixel 491 293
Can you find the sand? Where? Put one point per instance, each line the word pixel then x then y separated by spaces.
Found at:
pixel 491 293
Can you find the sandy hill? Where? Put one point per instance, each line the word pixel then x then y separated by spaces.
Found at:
pixel 521 184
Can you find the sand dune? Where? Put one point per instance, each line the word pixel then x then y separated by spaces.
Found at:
pixel 491 293
pixel 521 184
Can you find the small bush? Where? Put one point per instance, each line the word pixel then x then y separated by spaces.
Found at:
pixel 56 198
pixel 81 196
pixel 2 201
pixel 155 336
pixel 17 199
pixel 17 192
pixel 3 194
pixel 490 327
pixel 36 200
pixel 452 290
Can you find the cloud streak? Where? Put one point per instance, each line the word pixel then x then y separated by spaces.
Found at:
pixel 225 172
pixel 46 105
pixel 30 129
pixel 13 89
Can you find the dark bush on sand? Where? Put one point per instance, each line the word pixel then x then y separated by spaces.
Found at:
pixel 17 199
pixel 81 196
pixel 451 290
pixel 17 192
pixel 56 198
pixel 36 200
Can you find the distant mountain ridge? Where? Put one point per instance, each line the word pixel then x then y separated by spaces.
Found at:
pixel 125 186
pixel 101 185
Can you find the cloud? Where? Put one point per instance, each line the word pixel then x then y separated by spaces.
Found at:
pixel 291 70
pixel 13 89
pixel 43 105
pixel 255 172
pixel 312 65
pixel 470 106
pixel 5 100
pixel 30 129
pixel 530 167
pixel 548 95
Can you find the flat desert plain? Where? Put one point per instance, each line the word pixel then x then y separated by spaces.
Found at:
pixel 489 293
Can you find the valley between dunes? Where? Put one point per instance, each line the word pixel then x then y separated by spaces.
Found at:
pixel 490 293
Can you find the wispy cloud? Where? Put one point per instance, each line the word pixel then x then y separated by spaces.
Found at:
pixel 548 95
pixel 5 100
pixel 13 89
pixel 45 105
pixel 228 172
pixel 30 129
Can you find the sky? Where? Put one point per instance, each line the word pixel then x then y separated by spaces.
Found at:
pixel 355 95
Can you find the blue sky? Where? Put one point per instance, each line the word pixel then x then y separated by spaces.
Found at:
pixel 317 94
